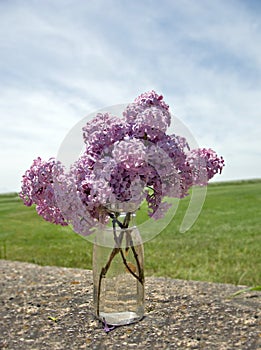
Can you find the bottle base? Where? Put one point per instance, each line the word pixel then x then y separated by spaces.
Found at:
pixel 119 318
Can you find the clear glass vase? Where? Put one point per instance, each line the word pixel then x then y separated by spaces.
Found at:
pixel 118 271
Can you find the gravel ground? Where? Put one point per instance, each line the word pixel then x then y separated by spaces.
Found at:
pixel 51 308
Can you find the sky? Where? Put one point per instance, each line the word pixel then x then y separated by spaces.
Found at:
pixel 62 60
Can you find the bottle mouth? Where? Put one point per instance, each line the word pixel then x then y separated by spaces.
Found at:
pixel 122 207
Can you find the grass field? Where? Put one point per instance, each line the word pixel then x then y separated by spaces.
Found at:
pixel 224 245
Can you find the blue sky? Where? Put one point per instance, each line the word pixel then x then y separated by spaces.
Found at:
pixel 61 60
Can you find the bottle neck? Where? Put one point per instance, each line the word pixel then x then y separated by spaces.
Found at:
pixel 122 207
pixel 123 220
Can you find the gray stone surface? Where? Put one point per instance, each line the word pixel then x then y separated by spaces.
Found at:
pixel 51 308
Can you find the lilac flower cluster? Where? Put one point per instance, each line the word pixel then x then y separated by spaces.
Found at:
pixel 103 131
pixel 131 153
pixel 38 188
pixel 126 160
pixel 148 117
pixel 204 164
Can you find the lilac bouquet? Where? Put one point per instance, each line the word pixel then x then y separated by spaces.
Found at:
pixel 126 160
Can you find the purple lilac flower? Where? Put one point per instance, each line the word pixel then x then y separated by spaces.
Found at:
pixel 150 124
pixel 169 160
pixel 103 131
pixel 176 148
pixel 126 184
pixel 38 188
pixel 204 164
pixel 125 160
pixel 91 187
pixel 51 213
pixel 144 102
pixel 71 205
pixel 160 210
pixel 151 98
pixel 131 153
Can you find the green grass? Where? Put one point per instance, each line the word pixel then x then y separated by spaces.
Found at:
pixel 224 245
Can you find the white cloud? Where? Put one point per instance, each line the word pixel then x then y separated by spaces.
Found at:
pixel 61 60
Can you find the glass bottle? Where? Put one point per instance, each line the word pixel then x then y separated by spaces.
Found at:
pixel 118 271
